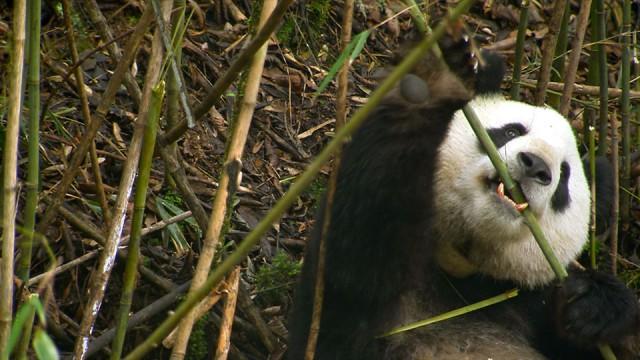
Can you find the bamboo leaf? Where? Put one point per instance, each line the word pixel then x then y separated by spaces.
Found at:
pixel 44 347
pixel 351 51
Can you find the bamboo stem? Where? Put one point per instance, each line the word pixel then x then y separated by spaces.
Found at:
pixel 603 79
pixel 33 171
pixel 517 62
pixel 558 68
pixel 574 57
pixel 33 166
pixel 548 50
pixel 454 313
pixel 10 168
pixel 592 175
pixel 625 112
pixel 140 199
pixel 224 339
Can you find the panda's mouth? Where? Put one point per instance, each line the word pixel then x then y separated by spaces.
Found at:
pixel 497 187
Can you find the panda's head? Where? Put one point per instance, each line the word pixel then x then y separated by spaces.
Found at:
pixel 539 148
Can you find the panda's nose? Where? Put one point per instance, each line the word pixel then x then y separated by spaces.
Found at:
pixel 535 168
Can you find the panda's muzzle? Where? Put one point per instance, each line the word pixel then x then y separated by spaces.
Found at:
pixel 534 168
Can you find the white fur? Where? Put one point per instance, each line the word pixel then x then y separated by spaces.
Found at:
pixel 469 215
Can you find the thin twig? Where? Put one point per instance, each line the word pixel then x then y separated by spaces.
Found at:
pixel 574 57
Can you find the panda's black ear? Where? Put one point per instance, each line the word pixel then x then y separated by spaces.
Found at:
pixel 490 73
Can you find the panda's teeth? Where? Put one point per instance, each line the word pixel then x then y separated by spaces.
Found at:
pixel 501 194
pixel 521 207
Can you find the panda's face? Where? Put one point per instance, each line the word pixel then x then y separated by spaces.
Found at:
pixel 539 149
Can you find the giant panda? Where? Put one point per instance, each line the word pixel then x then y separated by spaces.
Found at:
pixel 419 226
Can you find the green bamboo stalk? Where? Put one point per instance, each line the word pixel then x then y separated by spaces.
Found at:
pixel 615 206
pixel 625 112
pixel 33 165
pixel 139 202
pixel 454 313
pixel 558 67
pixel 299 186
pixel 589 117
pixel 9 178
pixel 603 78
pixel 33 170
pixel 178 26
pixel 517 62
pixel 592 175
pixel 175 70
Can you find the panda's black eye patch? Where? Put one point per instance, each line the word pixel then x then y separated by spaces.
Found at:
pixel 561 199
pixel 502 135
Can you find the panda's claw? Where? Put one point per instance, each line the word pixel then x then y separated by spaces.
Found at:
pixel 595 307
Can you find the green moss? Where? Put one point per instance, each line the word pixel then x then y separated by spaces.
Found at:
pixel 198 347
pixel 311 18
pixel 274 281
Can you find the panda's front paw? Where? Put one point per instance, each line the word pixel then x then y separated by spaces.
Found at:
pixel 595 307
pixel 458 52
pixel 481 71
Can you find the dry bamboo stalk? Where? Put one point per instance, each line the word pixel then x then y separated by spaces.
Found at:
pixel 203 308
pixel 10 166
pixel 86 112
pixel 548 49
pixel 224 339
pixel 581 89
pixel 234 154
pixel 100 277
pixel 574 58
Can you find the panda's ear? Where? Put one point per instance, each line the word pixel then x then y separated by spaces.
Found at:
pixel 491 71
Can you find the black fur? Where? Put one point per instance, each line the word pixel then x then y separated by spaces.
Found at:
pixel 380 251
pixel 561 197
